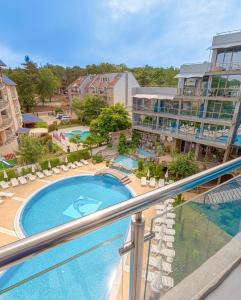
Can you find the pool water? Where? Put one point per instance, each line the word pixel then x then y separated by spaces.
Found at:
pixel 126 162
pixel 83 134
pixel 145 153
pixel 89 276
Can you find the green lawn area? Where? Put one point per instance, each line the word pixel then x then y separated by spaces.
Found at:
pixel 196 239
pixel 4 167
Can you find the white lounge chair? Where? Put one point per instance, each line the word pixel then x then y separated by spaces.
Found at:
pixel 31 177
pixel 167 282
pixel 161 182
pixel 47 173
pixel 85 162
pixel 6 194
pixel 4 185
pixel 56 170
pixel 14 181
pixel 72 166
pixel 40 174
pixel 169 201
pixel 143 181
pixel 155 262
pixel 160 220
pixel 22 180
pixel 64 168
pixel 152 182
pixel 78 163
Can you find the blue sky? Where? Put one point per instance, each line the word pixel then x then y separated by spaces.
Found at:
pixel 134 32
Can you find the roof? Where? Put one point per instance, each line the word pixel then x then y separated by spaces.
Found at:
pixel 2 64
pixel 7 80
pixel 22 130
pixel 193 70
pixel 227 39
pixel 157 96
pixel 30 118
pixel 38 131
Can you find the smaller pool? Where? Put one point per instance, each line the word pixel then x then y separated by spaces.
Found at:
pixel 83 134
pixel 145 153
pixel 126 162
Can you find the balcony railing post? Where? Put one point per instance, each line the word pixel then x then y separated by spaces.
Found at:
pixel 137 237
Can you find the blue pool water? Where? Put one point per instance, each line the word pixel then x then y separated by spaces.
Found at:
pixel 145 153
pixel 88 276
pixel 83 134
pixel 126 162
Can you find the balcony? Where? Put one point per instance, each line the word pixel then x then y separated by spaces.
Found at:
pixel 176 253
pixel 191 91
pixel 231 66
pixel 224 92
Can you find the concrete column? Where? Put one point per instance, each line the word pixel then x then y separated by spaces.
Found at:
pixel 197 150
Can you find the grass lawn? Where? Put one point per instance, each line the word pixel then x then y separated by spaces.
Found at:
pixel 197 238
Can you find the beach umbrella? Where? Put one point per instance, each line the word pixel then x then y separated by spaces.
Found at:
pixel 33 168
pixel 148 173
pixel 66 159
pixel 5 175
pixel 49 164
pixel 166 174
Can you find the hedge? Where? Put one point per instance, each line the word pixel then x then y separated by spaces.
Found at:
pixel 10 172
pixel 98 158
pixel 54 163
pixel 78 155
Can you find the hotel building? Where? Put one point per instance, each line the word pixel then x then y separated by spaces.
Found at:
pixel 113 87
pixel 10 114
pixel 205 114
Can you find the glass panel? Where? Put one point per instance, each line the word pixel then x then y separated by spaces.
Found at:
pixel 219 59
pixel 80 269
pixel 191 238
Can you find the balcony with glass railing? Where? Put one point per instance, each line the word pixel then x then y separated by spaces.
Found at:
pixel 176 252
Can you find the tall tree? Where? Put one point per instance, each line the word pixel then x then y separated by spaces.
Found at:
pixel 111 119
pixel 88 108
pixel 47 85
pixel 30 149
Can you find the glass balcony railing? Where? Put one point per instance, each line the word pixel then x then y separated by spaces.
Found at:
pixel 174 250
pixel 230 66
pixel 224 92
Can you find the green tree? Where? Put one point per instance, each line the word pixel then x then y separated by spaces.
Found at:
pixel 88 108
pixel 183 165
pixel 122 148
pixel 76 139
pixel 111 119
pixel 47 85
pixel 91 141
pixel 30 149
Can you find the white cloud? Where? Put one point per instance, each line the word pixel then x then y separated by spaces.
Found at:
pixel 121 8
pixel 10 57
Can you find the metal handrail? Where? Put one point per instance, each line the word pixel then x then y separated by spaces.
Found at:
pixel 21 250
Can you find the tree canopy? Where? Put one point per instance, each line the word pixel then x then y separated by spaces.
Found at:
pixel 30 149
pixel 88 108
pixel 111 119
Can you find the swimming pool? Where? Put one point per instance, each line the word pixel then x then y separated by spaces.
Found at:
pixel 145 153
pixel 88 276
pixel 126 162
pixel 83 134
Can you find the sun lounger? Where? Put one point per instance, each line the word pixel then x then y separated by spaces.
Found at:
pixel 85 162
pixel 156 282
pixel 31 177
pixel 155 250
pixel 161 182
pixel 56 170
pixel 160 220
pixel 4 185
pixel 171 215
pixel 22 180
pixel 143 181
pixel 152 182
pixel 72 166
pixel 169 201
pixel 78 163
pixel 40 174
pixel 6 194
pixel 64 168
pixel 14 181
pixel 155 262
pixel 47 173
pixel 167 282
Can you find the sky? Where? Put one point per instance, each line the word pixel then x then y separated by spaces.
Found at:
pixel 134 32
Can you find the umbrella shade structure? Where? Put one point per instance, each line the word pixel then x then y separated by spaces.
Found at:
pixel 66 159
pixel 5 175
pixel 33 168
pixel 148 173
pixel 49 164
pixel 166 174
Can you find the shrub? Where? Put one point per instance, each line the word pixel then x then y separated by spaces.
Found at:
pixel 97 158
pixel 44 164
pixel 140 165
pixel 11 173
pixel 58 110
pixel 78 155
pixel 54 163
pixel 45 139
pixel 26 171
pixel 53 126
pixel 41 124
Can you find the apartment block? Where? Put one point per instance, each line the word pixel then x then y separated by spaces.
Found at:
pixel 205 114
pixel 113 87
pixel 10 114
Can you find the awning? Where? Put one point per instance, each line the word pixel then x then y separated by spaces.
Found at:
pixel 233 44
pixel 38 131
pixel 22 130
pixel 197 75
pixel 30 118
pixel 150 96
